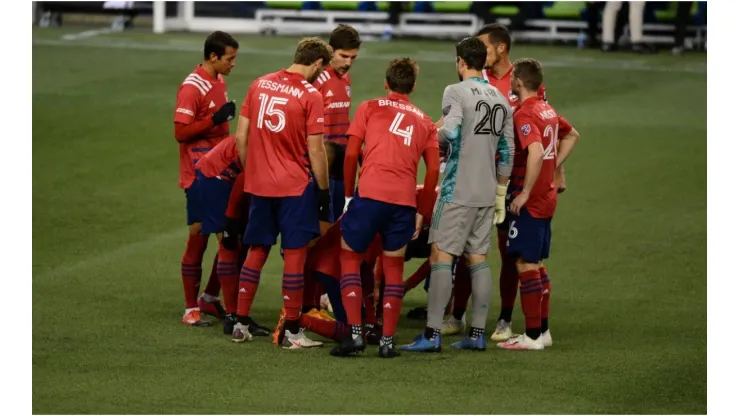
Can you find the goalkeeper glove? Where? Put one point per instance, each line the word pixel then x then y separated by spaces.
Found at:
pixel 224 114
pixel 347 200
pixel 500 209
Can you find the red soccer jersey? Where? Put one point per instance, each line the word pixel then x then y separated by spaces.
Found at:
pixel 395 134
pixel 324 256
pixel 536 121
pixel 502 84
pixel 222 161
pixel 419 187
pixel 283 110
pixel 198 97
pixel 336 91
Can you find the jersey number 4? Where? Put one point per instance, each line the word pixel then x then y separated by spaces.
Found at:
pixel 406 133
pixel 267 107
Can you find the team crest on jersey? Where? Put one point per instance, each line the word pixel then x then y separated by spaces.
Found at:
pixel 349 90
pixel 526 129
pixel 512 97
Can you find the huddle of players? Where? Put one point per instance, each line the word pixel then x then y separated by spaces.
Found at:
pixel 283 124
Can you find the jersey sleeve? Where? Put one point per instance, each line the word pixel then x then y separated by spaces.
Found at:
pixel 188 99
pixel 315 114
pixel 432 136
pixel 505 147
pixel 527 130
pixel 358 127
pixel 452 111
pixel 564 127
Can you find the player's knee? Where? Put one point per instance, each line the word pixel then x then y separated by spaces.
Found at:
pixel 194 228
pixel 396 253
pixel 439 256
pixel 474 259
pixel 523 265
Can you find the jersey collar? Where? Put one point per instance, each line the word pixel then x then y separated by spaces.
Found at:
pixel 491 74
pixel 478 79
pixel 284 73
pixel 396 96
pixel 203 73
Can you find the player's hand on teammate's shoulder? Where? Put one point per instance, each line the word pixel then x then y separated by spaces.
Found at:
pixel 225 113
pixel 518 203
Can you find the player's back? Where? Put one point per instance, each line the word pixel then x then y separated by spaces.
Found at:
pixel 397 133
pixel 283 110
pixel 222 160
pixel 336 91
pixel 470 176
pixel 536 113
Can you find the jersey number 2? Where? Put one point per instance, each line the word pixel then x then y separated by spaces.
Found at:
pixel 267 107
pixel 551 133
pixel 406 133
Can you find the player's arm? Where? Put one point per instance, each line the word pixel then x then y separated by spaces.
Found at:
pixel 233 224
pixel 317 157
pixel 452 112
pixel 186 127
pixel 505 148
pixel 242 128
pixel 532 141
pixel 356 134
pixel 567 140
pixel 431 161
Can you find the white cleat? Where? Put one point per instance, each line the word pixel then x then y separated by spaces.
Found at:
pixel 241 333
pixel 522 342
pixel 503 331
pixel 546 339
pixel 298 341
pixel 452 326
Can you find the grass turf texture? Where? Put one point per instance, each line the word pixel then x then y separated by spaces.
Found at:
pixel 628 256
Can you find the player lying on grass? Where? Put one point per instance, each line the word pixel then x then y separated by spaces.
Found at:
pixel 225 212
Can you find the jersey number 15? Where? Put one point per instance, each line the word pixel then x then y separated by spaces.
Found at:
pixel 267 107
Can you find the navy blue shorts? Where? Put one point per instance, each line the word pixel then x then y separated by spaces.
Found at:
pixel 333 291
pixel 214 199
pixel 295 218
pixel 366 217
pixel 193 205
pixel 336 187
pixel 529 237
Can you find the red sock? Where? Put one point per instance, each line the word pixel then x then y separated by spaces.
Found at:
pixel 463 287
pixel 329 329
pixel 351 286
pixel 368 293
pixel 191 268
pixel 531 293
pixel 249 279
pixel 214 285
pixel 228 275
pixel 419 276
pixel 393 293
pixel 295 261
pixel 546 290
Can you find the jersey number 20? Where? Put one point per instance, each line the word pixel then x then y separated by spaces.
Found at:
pixel 493 119
pixel 406 133
pixel 267 106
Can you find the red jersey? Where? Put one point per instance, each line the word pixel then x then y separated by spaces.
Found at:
pixel 536 121
pixel 503 84
pixel 395 134
pixel 222 161
pixel 336 91
pixel 199 96
pixel 324 256
pixel 283 110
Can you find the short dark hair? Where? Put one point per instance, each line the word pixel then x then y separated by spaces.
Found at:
pixel 217 42
pixel 530 72
pixel 311 49
pixel 497 33
pixel 344 37
pixel 401 75
pixel 473 52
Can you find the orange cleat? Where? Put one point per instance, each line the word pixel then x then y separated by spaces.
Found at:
pixel 192 318
pixel 279 333
pixel 211 308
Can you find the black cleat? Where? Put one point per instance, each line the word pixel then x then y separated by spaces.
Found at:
pixel 388 351
pixel 258 330
pixel 348 346
pixel 229 322
pixel 373 334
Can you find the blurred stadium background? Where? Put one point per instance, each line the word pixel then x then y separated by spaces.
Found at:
pixel 629 249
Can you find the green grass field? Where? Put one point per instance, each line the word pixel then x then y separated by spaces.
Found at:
pixel 628 260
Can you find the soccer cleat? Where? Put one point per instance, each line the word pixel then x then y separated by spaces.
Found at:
pixel 211 308
pixel 229 322
pixel 241 333
pixel 467 343
pixel 373 333
pixel 325 304
pixel 422 344
pixel 522 342
pixel 348 346
pixel 192 318
pixel 503 332
pixel 256 329
pixel 388 351
pixel 546 338
pixel 418 314
pixel 327 317
pixel 297 341
pixel 323 315
pixel 452 326
pixel 279 333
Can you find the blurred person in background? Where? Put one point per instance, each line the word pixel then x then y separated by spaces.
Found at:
pixel 636 12
pixel 683 15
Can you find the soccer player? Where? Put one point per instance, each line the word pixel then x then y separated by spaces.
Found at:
pixel 281 146
pixel 336 87
pixel 477 118
pixel 396 134
pixel 534 200
pixel 202 116
pixel 221 181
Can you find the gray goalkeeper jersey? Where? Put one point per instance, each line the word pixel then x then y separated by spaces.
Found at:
pixel 478 123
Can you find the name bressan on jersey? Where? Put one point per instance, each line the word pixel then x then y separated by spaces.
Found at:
pixel 395 104
pixel 276 86
pixel 339 104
